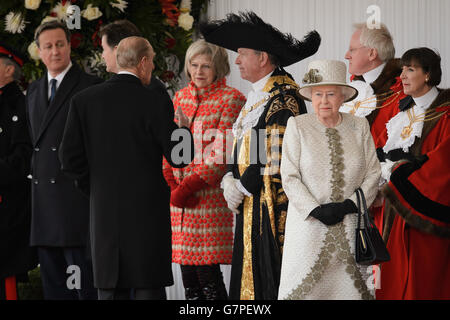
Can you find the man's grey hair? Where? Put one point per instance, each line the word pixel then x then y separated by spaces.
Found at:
pixel 272 59
pixel 17 71
pixel 377 38
pixel 131 50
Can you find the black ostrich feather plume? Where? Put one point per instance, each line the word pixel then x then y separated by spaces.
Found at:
pixel 247 30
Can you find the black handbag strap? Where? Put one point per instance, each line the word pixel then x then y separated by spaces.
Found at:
pixel 362 208
pixel 358 204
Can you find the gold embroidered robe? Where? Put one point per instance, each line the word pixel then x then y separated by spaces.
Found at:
pixel 259 233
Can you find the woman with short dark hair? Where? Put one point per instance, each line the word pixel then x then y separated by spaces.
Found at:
pixel 415 164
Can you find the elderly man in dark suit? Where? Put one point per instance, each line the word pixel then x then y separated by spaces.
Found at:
pixel 60 212
pixel 116 135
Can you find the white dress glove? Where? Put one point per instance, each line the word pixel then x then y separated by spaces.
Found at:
pixel 231 193
pixel 386 170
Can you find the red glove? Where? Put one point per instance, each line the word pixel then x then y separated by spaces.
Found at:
pixel 192 202
pixel 183 195
pixel 168 175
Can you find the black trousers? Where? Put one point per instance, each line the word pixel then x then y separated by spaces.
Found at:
pixel 2 289
pixel 66 273
pixel 128 294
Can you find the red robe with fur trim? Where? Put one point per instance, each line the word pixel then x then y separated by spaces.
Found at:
pixel 389 108
pixel 416 216
pixel 388 89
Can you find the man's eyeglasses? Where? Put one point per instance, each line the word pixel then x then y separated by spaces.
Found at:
pixel 352 50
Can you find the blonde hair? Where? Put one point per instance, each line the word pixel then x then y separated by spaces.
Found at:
pixel 378 38
pixel 131 50
pixel 218 55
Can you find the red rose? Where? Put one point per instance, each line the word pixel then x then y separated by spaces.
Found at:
pixel 170 43
pixel 167 76
pixel 75 40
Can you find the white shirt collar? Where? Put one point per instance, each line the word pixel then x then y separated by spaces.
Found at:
pixel 127 72
pixel 261 83
pixel 372 75
pixel 59 78
pixel 427 98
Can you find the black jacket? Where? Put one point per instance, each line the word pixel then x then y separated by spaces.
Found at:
pixel 16 256
pixel 116 135
pixel 60 212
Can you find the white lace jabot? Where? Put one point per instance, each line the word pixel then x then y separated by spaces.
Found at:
pixel 248 119
pixel 364 103
pixel 396 125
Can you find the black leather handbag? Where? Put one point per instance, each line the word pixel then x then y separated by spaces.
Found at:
pixel 370 248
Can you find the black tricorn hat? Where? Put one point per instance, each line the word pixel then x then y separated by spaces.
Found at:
pixel 247 30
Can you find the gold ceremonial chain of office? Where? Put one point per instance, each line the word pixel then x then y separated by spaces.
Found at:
pixel 380 98
pixel 256 105
pixel 426 116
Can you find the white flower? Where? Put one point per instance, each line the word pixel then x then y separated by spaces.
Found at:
pixel 119 4
pixel 61 10
pixel 32 4
pixel 33 51
pixel 96 63
pixel 91 13
pixel 185 21
pixel 186 4
pixel 48 18
pixel 14 22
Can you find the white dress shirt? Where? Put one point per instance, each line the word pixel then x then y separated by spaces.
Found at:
pixel 366 101
pixel 372 75
pixel 59 78
pixel 127 72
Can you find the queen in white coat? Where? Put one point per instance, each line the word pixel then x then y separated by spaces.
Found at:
pixel 326 157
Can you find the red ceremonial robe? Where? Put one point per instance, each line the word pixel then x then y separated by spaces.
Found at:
pixel 416 215
pixel 388 90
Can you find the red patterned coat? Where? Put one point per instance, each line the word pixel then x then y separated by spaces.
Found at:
pixel 203 234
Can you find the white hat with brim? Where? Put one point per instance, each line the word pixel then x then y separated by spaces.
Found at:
pixel 327 73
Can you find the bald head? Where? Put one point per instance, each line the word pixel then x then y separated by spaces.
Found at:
pixel 135 54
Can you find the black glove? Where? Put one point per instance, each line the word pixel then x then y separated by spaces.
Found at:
pixel 334 212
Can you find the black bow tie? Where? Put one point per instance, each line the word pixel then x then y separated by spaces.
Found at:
pixel 360 78
pixel 406 103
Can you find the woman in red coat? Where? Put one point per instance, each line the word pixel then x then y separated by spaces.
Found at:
pixel 202 234
pixel 415 163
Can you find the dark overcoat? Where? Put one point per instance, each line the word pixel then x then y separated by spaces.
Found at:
pixel 60 212
pixel 116 135
pixel 16 256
